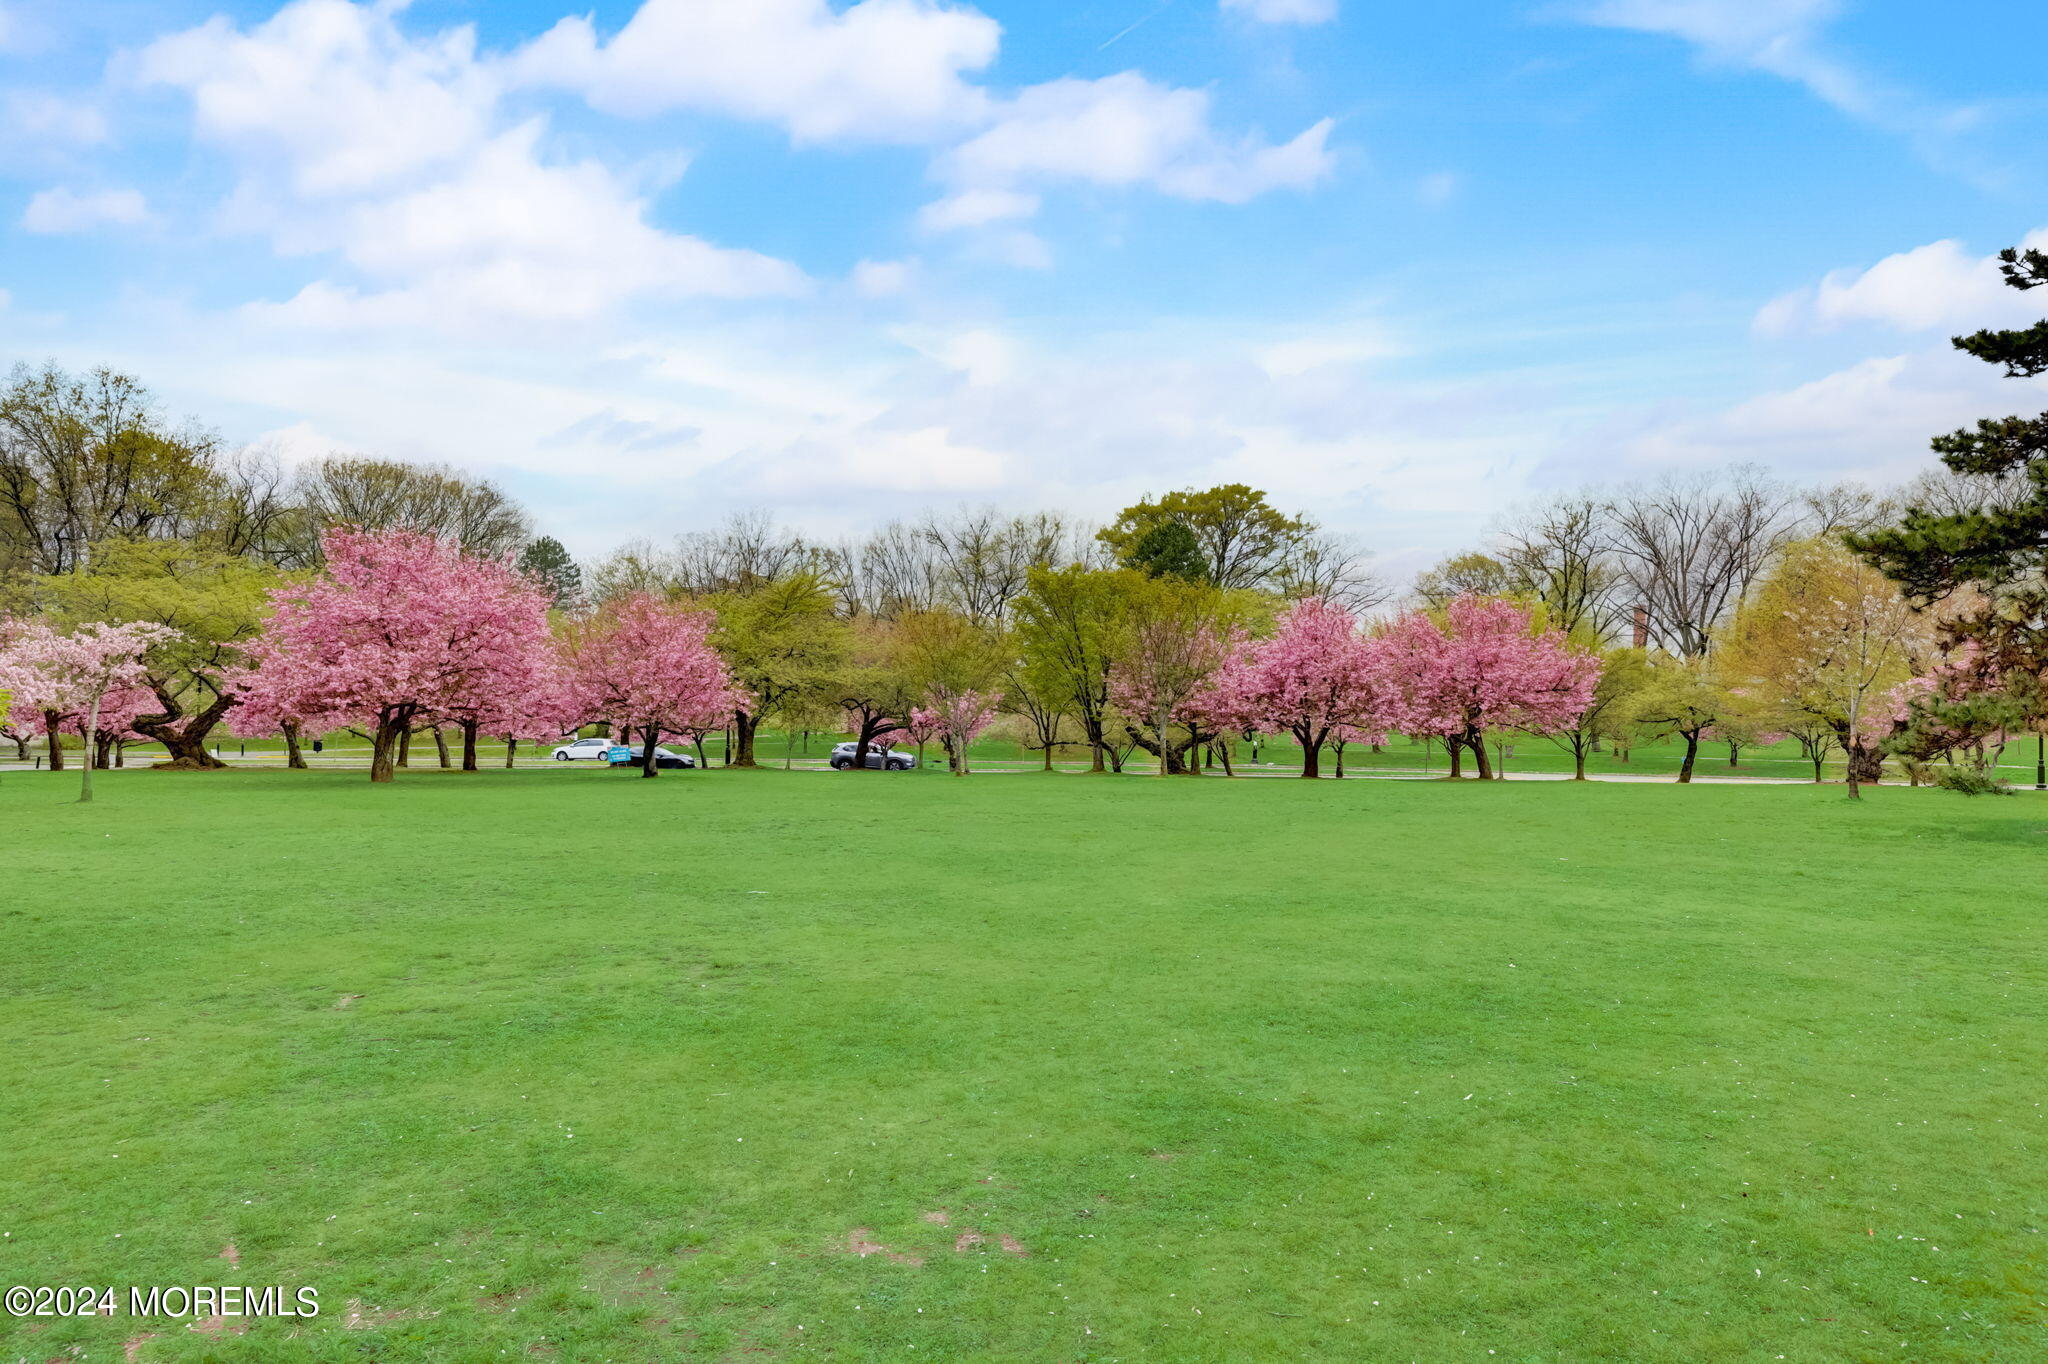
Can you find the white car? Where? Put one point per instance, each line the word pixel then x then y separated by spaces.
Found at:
pixel 583 748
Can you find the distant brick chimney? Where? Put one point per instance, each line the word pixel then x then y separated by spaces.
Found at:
pixel 1642 626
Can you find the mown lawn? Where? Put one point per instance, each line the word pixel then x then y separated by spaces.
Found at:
pixel 577 1066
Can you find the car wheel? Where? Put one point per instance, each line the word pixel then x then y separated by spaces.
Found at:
pixel 561 757
pixel 839 764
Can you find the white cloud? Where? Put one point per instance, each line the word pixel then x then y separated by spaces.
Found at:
pixel 1438 188
pixel 882 278
pixel 1285 11
pixel 331 96
pixel 1784 38
pixel 1871 420
pixel 976 208
pixel 1119 130
pixel 1939 286
pixel 388 152
pixel 60 210
pixel 36 116
pixel 887 70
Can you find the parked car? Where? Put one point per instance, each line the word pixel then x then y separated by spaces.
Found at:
pixel 583 748
pixel 621 756
pixel 881 759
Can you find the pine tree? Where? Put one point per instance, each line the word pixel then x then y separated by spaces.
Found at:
pixel 2001 551
pixel 545 560
pixel 1168 550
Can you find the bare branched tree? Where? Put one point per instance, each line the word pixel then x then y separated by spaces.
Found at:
pixel 437 499
pixel 1689 548
pixel 1558 551
pixel 1337 568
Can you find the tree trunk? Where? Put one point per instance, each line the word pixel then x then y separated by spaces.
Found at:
pixel 103 752
pixel 390 736
pixel 293 758
pixel 1223 752
pixel 1866 767
pixel 441 747
pixel 648 758
pixel 20 748
pixel 1477 743
pixel 1093 725
pixel 469 745
pixel 405 747
pixel 1457 751
pixel 52 732
pixel 1734 751
pixel 1692 751
pixel 741 751
pixel 184 737
pixel 1578 762
pixel 1311 755
pixel 1818 759
pixel 92 725
pixel 511 747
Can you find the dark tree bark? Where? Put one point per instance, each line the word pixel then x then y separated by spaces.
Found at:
pixel 740 753
pixel 183 736
pixel 649 760
pixel 405 746
pixel 469 728
pixel 1866 766
pixel 441 747
pixel 1692 753
pixel 54 739
pixel 387 744
pixel 511 747
pixel 293 757
pixel 1476 741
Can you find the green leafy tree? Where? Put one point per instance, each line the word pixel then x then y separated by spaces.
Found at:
pixel 1610 715
pixel 1168 550
pixel 1988 561
pixel 1682 698
pixel 1243 540
pixel 545 561
pixel 85 458
pixel 1468 575
pixel 215 602
pixel 785 648
pixel 1067 624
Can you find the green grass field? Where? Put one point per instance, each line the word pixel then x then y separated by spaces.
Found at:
pixel 737 1065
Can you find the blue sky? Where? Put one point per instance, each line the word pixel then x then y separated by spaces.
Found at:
pixel 651 260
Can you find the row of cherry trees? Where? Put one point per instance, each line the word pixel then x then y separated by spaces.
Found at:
pixel 401 631
pixel 1478 665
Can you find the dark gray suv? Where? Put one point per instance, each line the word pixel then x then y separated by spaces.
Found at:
pixel 883 759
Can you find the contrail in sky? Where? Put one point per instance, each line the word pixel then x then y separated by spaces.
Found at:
pixel 1154 14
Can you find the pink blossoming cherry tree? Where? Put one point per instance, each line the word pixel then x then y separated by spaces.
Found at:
pixel 1485 665
pixel 69 677
pixel 399 628
pixel 648 665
